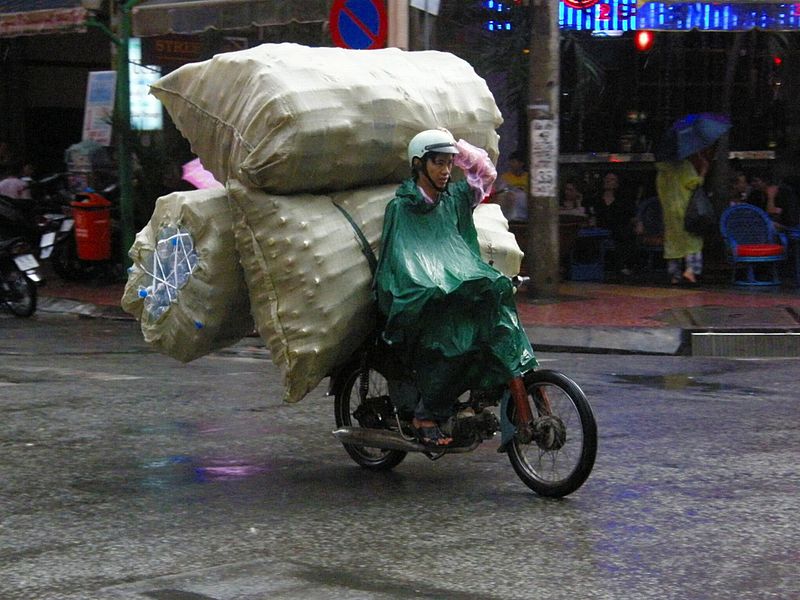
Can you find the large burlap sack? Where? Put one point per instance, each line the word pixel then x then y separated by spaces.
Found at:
pixel 186 286
pixel 498 245
pixel 289 118
pixel 308 278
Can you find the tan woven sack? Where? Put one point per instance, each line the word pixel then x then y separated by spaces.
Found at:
pixel 308 278
pixel 186 286
pixel 288 118
pixel 498 245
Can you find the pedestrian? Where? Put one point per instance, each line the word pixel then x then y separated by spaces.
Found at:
pixel 571 201
pixel 740 188
pixel 614 210
pixel 450 318
pixel 675 183
pixel 511 190
pixel 783 205
pixel 757 195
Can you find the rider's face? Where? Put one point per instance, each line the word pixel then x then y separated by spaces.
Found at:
pixel 439 168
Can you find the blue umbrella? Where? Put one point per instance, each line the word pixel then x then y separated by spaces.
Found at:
pixel 691 134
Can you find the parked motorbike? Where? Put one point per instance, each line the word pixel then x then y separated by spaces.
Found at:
pixel 19 276
pixel 553 454
pixel 40 219
pixel 50 197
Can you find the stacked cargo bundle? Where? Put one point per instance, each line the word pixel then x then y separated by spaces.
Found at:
pixel 311 143
pixel 186 286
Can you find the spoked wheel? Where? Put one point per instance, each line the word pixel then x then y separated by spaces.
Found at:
pixel 21 297
pixel 561 454
pixel 364 402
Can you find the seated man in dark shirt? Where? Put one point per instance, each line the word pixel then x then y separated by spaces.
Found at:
pixel 613 210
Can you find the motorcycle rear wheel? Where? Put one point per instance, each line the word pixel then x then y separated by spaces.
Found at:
pixel 23 294
pixel 347 401
pixel 561 456
pixel 65 261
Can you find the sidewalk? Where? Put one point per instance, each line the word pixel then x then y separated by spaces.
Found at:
pixel 644 316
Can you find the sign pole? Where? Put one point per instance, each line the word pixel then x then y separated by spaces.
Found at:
pixel 542 252
pixel 123 102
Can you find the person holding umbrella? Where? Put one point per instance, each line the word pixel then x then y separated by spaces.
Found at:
pixel 683 160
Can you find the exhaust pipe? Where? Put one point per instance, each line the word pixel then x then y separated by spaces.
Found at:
pixel 390 440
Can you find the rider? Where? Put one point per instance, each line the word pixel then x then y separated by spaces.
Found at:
pixel 450 318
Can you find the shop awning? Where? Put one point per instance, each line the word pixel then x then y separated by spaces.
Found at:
pixel 34 17
pixel 161 17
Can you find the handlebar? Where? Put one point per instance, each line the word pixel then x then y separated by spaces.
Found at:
pixel 519 280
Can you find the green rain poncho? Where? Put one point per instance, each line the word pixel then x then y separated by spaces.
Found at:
pixel 450 317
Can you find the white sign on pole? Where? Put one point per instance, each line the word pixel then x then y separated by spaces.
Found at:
pixel 99 107
pixel 429 6
pixel 544 157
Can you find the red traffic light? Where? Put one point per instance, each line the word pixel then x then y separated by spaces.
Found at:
pixel 644 40
pixel 777 61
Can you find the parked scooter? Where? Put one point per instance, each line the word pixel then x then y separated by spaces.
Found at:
pixel 50 196
pixel 553 454
pixel 40 220
pixel 19 276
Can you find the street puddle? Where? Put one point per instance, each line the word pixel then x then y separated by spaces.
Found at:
pixel 171 473
pixel 669 382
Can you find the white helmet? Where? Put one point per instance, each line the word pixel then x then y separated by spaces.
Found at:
pixel 431 140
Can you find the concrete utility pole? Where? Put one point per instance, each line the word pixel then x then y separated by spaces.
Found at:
pixel 398 24
pixel 542 253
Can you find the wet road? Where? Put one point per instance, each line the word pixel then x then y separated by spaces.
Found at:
pixel 127 475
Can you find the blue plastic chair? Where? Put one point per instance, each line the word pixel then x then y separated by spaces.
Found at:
pixel 751 239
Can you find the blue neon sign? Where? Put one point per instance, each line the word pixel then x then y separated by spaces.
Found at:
pixel 624 15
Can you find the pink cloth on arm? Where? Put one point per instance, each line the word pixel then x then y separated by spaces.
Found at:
pixel 478 168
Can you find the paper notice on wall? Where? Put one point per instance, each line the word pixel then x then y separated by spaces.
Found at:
pixel 99 107
pixel 544 157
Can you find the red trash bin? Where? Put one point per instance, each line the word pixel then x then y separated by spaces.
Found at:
pixel 92 216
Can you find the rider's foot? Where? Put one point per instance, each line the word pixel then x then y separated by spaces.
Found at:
pixel 429 434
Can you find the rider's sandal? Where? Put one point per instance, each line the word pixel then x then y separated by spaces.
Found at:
pixel 431 436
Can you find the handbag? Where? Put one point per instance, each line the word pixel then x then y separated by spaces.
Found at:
pixel 700 219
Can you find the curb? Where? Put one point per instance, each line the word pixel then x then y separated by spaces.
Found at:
pixel 84 309
pixel 623 340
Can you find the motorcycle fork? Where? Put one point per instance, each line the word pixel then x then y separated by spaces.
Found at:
pixel 542 402
pixel 519 395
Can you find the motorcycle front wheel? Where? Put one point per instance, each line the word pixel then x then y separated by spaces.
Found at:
pixel 21 296
pixel 561 455
pixel 359 402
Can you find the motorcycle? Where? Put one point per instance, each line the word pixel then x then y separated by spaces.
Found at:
pixel 50 196
pixel 40 219
pixel 553 454
pixel 19 276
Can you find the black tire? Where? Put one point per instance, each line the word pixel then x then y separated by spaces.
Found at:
pixel 561 456
pixel 347 401
pixel 24 290
pixel 65 261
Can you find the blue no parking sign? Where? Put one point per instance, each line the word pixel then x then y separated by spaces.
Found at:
pixel 359 24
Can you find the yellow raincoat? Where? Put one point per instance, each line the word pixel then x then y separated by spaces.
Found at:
pixel 675 182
